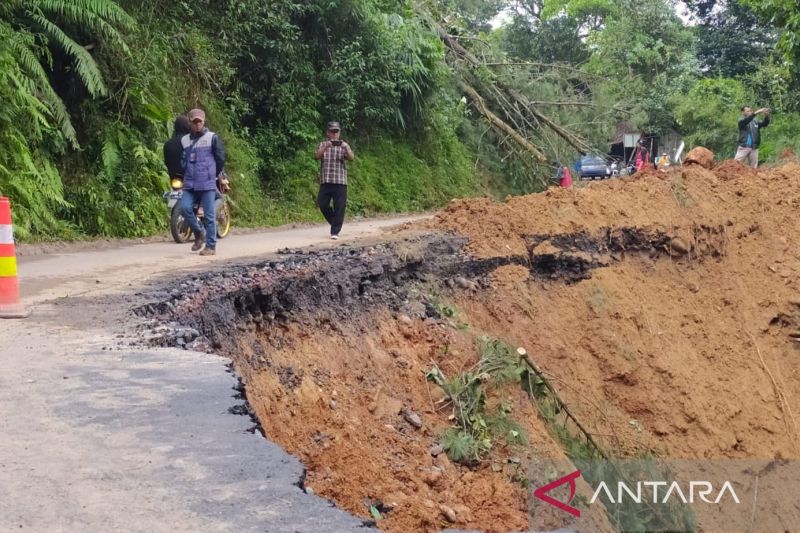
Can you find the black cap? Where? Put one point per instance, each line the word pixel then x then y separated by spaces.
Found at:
pixel 333 126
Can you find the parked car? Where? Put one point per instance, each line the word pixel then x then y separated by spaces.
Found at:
pixel 594 167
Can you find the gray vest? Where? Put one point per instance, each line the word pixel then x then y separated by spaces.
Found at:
pixel 200 173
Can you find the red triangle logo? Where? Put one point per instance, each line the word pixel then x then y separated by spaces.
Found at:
pixel 541 493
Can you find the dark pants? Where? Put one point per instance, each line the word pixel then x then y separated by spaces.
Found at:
pixel 334 216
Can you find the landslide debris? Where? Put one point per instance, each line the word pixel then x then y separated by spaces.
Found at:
pixel 684 326
pixel 663 310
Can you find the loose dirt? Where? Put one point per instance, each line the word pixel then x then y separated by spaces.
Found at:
pixel 661 308
pixel 694 347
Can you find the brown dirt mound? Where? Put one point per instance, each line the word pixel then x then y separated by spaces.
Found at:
pixel 661 308
pixel 689 341
pixel 730 169
pixel 646 172
pixel 688 196
pixel 344 420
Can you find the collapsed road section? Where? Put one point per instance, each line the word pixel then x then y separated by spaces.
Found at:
pixel 416 379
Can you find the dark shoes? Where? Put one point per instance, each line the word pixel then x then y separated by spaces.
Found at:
pixel 200 246
pixel 199 243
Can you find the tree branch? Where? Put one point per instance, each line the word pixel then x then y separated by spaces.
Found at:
pixel 520 99
pixel 500 125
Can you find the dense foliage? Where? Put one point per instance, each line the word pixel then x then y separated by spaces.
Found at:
pixel 89 90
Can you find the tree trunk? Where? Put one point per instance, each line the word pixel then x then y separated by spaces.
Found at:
pixel 501 125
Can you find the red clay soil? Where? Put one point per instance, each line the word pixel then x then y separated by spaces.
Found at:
pixel 688 355
pixel 336 400
pixel 684 354
pixel 731 169
pixel 678 198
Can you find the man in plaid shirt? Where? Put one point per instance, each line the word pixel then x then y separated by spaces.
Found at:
pixel 333 154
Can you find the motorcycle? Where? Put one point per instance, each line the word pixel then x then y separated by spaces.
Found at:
pixel 181 232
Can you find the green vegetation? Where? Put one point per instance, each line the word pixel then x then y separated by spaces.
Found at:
pixel 89 90
pixel 479 425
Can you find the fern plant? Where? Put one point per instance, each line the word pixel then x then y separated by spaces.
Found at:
pixel 38 25
pixel 26 175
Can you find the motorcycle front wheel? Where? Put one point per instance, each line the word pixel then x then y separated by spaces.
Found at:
pixel 223 219
pixel 181 232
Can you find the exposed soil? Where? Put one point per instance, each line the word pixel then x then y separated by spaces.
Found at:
pixel 692 342
pixel 731 169
pixel 662 308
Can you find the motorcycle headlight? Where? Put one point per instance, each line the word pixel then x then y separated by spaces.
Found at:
pixel 176 183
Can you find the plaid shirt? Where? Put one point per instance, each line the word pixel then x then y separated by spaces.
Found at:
pixel 333 167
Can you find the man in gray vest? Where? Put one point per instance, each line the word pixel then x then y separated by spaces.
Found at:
pixel 203 161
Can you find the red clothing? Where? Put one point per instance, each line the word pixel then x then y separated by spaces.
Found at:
pixel 642 158
pixel 566 178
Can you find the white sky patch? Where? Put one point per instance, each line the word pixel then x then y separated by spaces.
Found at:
pixel 505 16
pixel 501 19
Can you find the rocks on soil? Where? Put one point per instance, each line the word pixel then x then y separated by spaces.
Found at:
pixel 700 156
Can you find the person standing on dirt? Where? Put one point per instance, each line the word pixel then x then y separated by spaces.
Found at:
pixel 333 155
pixel 663 163
pixel 750 134
pixel 642 156
pixel 203 163
pixel 173 148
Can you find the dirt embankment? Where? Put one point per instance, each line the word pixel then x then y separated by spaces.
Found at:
pixel 661 308
pixel 687 342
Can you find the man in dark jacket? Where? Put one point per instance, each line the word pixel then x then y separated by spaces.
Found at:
pixel 750 135
pixel 173 148
pixel 203 162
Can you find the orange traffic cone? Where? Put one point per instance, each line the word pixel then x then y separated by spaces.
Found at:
pixel 10 306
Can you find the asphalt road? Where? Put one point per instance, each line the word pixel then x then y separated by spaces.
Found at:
pixel 98 436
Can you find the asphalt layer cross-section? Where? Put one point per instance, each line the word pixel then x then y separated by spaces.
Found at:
pixel 97 434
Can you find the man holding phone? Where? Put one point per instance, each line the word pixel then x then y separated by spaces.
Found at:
pixel 333 154
pixel 750 134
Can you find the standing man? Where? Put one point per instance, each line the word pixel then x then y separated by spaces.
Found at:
pixel 750 134
pixel 333 155
pixel 203 161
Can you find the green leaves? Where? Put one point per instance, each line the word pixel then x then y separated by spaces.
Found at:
pixel 37 22
pixel 376 514
pixel 85 66
pixel 580 9
pixel 785 16
pixel 479 423
pixel 709 113
pixel 26 174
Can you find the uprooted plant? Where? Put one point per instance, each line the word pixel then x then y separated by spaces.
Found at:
pixel 477 425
